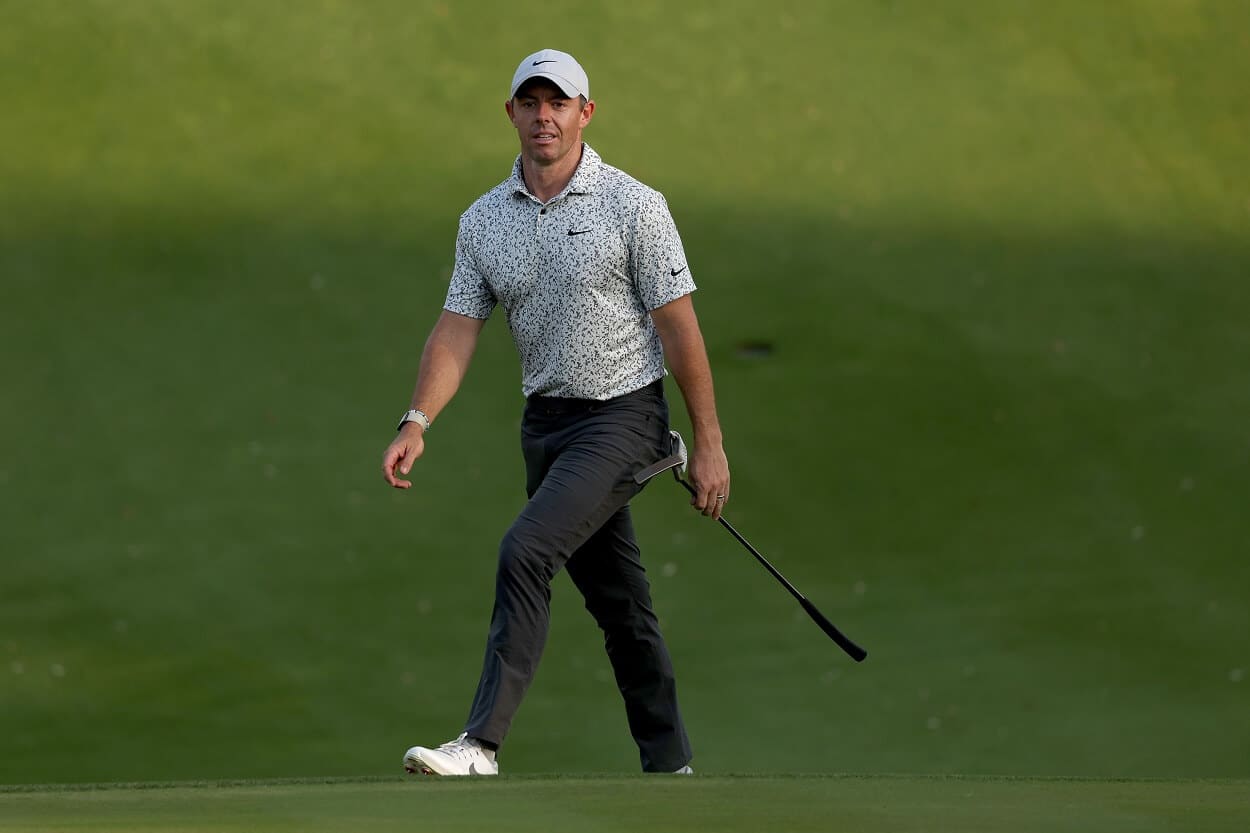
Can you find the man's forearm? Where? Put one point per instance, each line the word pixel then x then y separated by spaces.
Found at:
pixel 686 355
pixel 444 362
pixel 687 359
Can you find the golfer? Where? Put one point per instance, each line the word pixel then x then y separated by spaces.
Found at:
pixel 593 280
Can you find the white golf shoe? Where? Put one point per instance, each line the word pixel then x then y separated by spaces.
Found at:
pixel 462 756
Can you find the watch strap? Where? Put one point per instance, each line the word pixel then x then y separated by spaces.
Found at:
pixel 414 415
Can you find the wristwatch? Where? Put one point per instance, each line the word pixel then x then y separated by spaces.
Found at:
pixel 414 416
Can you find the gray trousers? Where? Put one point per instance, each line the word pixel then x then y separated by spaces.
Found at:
pixel 580 459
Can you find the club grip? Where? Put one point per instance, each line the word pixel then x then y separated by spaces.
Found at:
pixel 853 651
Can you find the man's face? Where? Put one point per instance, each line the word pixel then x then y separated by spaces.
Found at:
pixel 548 122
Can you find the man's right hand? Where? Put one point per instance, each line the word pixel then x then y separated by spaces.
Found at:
pixel 401 453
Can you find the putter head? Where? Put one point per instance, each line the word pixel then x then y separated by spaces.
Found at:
pixel 676 460
pixel 679 450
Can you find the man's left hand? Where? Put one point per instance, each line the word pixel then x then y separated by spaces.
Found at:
pixel 709 475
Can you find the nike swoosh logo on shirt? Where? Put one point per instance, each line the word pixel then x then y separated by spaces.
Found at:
pixel 575 233
pixel 676 272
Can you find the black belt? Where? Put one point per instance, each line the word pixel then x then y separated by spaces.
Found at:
pixel 570 404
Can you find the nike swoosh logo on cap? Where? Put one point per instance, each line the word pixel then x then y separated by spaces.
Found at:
pixel 548 61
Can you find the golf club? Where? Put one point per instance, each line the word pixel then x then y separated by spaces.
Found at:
pixel 677 463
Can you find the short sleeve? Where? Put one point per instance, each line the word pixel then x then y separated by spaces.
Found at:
pixel 468 293
pixel 660 271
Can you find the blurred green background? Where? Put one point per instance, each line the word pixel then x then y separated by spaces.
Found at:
pixel 1001 253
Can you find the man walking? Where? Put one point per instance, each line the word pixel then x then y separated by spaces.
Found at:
pixel 591 273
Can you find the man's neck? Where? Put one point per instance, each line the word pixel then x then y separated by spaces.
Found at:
pixel 545 181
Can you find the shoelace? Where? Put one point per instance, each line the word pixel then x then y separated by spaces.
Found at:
pixel 461 747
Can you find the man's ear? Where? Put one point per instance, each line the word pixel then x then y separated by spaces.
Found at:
pixel 507 105
pixel 587 112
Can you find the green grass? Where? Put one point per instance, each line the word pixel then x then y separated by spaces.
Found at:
pixel 1000 249
pixel 725 804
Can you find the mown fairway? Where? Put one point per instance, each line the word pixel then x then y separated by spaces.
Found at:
pixel 716 805
pixel 1000 253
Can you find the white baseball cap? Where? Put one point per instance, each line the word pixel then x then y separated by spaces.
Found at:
pixel 560 67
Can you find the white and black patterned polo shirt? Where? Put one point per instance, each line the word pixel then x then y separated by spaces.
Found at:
pixel 577 278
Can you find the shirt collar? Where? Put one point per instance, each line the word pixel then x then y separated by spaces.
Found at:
pixel 582 182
